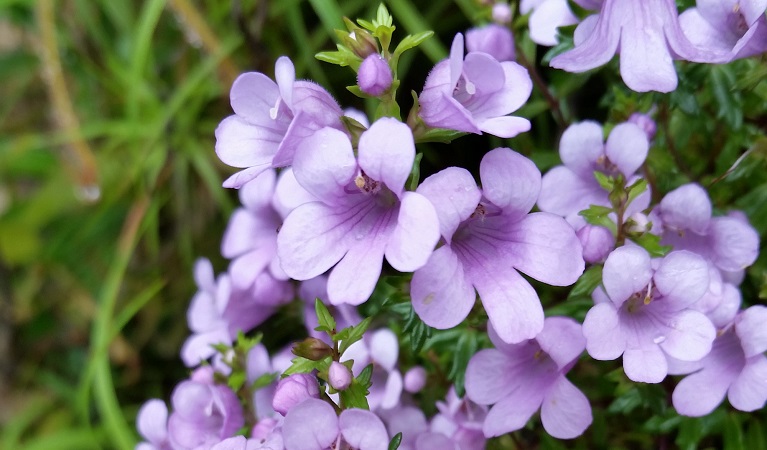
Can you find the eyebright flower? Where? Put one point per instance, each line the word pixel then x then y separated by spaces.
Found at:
pixel 152 425
pixel 294 389
pixel 649 312
pixel 495 40
pixel 475 94
pixel 363 214
pixel 489 235
pixel 270 120
pixel 647 35
pixel 736 27
pixel 546 17
pixel 518 379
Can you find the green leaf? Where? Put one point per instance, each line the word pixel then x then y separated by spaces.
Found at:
pixel 607 182
pixel 651 243
pixel 383 18
pixel 636 189
pixel 236 380
pixel 395 441
pixel 325 319
pixel 586 284
pixel 303 365
pixel 264 380
pixel 465 348
pixel 411 41
pixel 755 438
pixel 365 376
pixel 415 173
pixel 732 433
pixel 354 334
pixel 439 135
pixel 355 396
pixel 598 215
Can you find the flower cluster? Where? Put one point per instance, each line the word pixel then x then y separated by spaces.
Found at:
pixel 334 209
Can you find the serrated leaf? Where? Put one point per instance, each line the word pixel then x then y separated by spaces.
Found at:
pixel 355 334
pixel 264 380
pixel 365 376
pixel 586 284
pixel 303 365
pixel 325 319
pixel 355 396
pixel 395 441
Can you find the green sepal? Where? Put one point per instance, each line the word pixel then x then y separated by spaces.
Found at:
pixel 598 215
pixel 395 441
pixel 635 190
pixel 651 243
pixel 303 365
pixel 326 321
pixel 586 284
pixel 349 336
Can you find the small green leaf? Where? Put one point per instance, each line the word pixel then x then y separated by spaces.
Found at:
pixel 325 319
pixel 264 380
pixel 236 380
pixel 383 18
pixel 365 376
pixel 636 189
pixel 355 396
pixel 355 334
pixel 607 182
pixel 465 348
pixel 395 441
pixel 411 41
pixel 303 365
pixel 599 215
pixel 439 135
pixel 651 243
pixel 415 173
pixel 586 284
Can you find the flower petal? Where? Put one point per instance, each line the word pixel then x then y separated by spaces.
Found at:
pixel 415 234
pixel 749 391
pixel 505 126
pixel 387 152
pixel 581 145
pixel 455 196
pixel 152 421
pixel 363 430
pixel 310 425
pixel 687 207
pixel 324 164
pixel 645 364
pixel 750 328
pixel 627 147
pixel 252 96
pixel 562 339
pixel 510 181
pixel 682 278
pixel 241 144
pixel 354 278
pixel 626 271
pixel 689 336
pixel 512 413
pixel 565 412
pixel 602 330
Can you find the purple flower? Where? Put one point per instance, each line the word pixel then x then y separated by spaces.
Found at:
pixel 571 188
pixel 203 413
pixel 597 243
pixel 259 364
pixel 518 379
pixel 415 379
pixel 364 212
pixel 218 311
pixel 270 120
pixel 339 376
pixel 647 35
pixel 313 425
pixel 380 348
pixel 546 17
pixel 240 443
pixel 728 242
pixel 495 40
pixel 502 13
pixel 736 367
pixel 645 122
pixel 461 419
pixel 735 27
pixel 293 390
pixel 489 235
pixel 649 313
pixel 475 94
pixel 317 287
pixel 374 75
pixel 152 424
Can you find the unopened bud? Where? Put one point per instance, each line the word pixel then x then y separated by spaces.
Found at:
pixel 597 243
pixel 374 75
pixel 415 379
pixel 293 390
pixel 312 348
pixel 638 223
pixel 339 376
pixel 501 13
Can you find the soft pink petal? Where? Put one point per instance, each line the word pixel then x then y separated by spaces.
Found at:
pixel 565 412
pixel 441 294
pixel 415 234
pixel 311 425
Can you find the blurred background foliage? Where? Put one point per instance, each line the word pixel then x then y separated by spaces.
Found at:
pixel 110 189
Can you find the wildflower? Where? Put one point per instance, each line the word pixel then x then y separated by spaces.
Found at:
pixel 546 17
pixel 495 40
pixel 734 27
pixel 152 424
pixel 374 75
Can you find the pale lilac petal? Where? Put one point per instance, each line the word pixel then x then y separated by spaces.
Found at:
pixel 353 279
pixel 580 146
pixel 736 243
pixel 301 127
pixel 311 241
pixel 363 430
pixel 258 193
pixel 384 348
pixel 233 443
pixel 545 20
pixel 701 33
pixel 627 147
pixel 505 126
pixel 245 269
pixel 202 314
pixel 239 236
pixel 687 208
pixel 751 328
pixel 456 60
pixel 749 391
pixel 311 425
pixel 564 192
pixel 682 278
pixel 510 181
pixel 545 247
pixel 516 91
pixel 512 413
pixel 562 339
pixel 240 144
pixel 152 421
pixel 252 96
pixel 392 391
pixel 285 75
pixel 700 393
pixel 645 60
pixel 324 164
pixel 441 295
pixel 594 51
pixel 626 271
pixel 289 194
pixel 455 196
pixel 585 28
pixel 565 412
pixel 512 305
pixel 415 234
pixel 645 365
pixel 242 177
pixel 387 152
pixel 689 337
pixel 440 110
pixel 203 275
pixel 434 441
pixel 258 363
pixel 602 329
pixel 198 347
pixel 487 377
pixel 484 72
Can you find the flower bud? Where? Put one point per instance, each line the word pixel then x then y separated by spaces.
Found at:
pixel 495 40
pixel 597 243
pixel 644 122
pixel 415 379
pixel 293 390
pixel 312 348
pixel 502 13
pixel 374 75
pixel 639 223
pixel 339 376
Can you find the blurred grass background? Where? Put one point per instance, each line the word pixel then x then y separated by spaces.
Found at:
pixel 110 188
